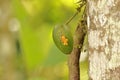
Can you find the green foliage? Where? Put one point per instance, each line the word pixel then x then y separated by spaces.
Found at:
pixel 54 57
pixel 37 18
pixel 63 38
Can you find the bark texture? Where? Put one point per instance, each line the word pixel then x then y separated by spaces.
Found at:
pixel 104 39
pixel 73 61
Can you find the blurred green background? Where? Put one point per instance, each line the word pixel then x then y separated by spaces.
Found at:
pixel 37 52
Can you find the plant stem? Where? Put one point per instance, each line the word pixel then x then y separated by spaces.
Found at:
pixel 73 59
pixel 75 14
pixel 71 18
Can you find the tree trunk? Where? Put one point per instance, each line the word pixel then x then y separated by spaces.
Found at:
pixel 104 39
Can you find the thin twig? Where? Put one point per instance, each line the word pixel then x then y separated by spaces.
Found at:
pixel 78 10
pixel 71 18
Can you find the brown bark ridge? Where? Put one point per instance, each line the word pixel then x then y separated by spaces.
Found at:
pixel 73 60
pixel 104 39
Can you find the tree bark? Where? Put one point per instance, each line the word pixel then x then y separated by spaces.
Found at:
pixel 73 61
pixel 104 39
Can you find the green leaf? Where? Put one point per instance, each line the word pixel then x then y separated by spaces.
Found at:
pixel 63 38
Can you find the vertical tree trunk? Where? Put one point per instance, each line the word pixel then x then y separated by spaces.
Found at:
pixel 104 39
